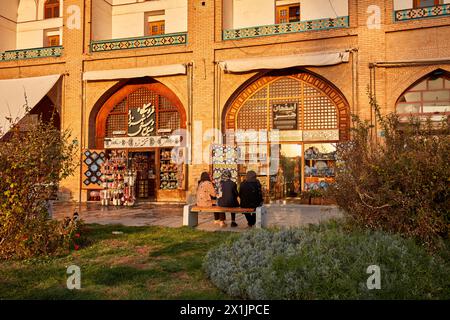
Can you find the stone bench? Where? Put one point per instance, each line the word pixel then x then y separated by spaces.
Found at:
pixel 190 214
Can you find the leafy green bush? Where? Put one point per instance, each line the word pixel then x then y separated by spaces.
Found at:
pixel 399 183
pixel 325 262
pixel 31 165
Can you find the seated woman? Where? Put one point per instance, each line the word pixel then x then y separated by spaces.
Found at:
pixel 250 194
pixel 205 192
pixel 229 194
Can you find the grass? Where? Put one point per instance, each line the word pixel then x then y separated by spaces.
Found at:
pixel 142 263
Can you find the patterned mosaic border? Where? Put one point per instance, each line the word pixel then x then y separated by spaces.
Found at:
pixel 420 13
pixel 141 42
pixel 283 28
pixel 12 55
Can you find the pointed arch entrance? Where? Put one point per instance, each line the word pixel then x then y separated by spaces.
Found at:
pixel 286 125
pixel 136 130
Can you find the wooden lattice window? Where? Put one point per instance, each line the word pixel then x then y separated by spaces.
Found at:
pixel 156 28
pixel 51 9
pixel 53 41
pixel 253 115
pixel 315 110
pixel 286 14
pixel 167 114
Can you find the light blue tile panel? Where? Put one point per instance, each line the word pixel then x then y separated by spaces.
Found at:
pixel 139 42
pixel 284 28
pixel 422 13
pixel 33 53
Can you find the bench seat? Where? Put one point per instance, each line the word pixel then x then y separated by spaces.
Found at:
pixel 222 209
pixel 191 211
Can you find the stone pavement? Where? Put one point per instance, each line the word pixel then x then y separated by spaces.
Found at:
pixel 171 215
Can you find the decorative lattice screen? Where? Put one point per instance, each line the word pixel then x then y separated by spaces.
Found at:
pixel 315 110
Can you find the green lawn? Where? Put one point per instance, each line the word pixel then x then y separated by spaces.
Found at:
pixel 141 263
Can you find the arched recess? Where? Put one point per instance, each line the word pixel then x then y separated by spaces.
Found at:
pixel 321 105
pixel 170 112
pixel 429 96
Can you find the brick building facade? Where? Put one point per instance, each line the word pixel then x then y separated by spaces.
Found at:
pixel 389 50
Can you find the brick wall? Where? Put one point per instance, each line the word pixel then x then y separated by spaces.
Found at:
pixel 419 39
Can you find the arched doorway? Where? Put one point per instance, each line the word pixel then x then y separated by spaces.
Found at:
pixel 137 129
pixel 286 125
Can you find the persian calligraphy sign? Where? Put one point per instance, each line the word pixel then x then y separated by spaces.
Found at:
pixel 285 116
pixel 141 121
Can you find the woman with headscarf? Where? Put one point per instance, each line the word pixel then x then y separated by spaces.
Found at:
pixel 229 194
pixel 205 192
pixel 250 194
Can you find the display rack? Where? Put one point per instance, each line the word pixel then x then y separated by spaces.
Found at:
pixel 168 171
pixel 117 181
pixel 319 169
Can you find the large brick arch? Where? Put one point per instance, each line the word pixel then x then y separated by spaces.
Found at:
pixel 259 81
pixel 102 108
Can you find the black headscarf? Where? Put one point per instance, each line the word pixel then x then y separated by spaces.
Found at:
pixel 251 176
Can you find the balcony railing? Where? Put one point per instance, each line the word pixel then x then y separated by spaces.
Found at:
pixel 285 28
pixel 441 10
pixel 33 53
pixel 139 42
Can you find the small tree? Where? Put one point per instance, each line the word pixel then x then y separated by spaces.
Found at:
pixel 400 183
pixel 32 163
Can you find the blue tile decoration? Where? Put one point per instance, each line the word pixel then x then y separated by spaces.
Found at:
pixel 139 42
pixel 12 55
pixel 421 13
pixel 93 160
pixel 286 28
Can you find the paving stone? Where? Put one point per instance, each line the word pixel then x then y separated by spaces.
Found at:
pixel 171 215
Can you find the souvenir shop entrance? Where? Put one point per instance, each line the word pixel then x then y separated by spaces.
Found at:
pixel 144 165
pixel 286 126
pixel 139 154
pixel 140 175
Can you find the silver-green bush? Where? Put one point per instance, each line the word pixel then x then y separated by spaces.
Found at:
pixel 325 262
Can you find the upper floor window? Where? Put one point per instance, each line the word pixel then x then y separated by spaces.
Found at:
pixel 156 27
pixel 288 13
pixel 426 3
pixel 51 37
pixel 429 97
pixel 51 9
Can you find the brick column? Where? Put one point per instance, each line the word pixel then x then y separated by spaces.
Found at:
pixel 72 116
pixel 201 37
pixel 372 48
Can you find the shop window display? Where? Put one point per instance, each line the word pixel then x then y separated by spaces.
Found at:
pixel 168 171
pixel 320 164
pixel 117 181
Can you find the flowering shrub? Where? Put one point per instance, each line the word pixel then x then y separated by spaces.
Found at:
pixel 31 165
pixel 325 262
pixel 400 183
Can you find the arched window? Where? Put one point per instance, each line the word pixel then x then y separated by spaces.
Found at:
pixel 51 9
pixel 428 98
pixel 298 118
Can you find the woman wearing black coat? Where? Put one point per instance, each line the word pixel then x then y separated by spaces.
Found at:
pixel 229 194
pixel 250 194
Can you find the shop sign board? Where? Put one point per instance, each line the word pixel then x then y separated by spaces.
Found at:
pixel 143 142
pixel 285 116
